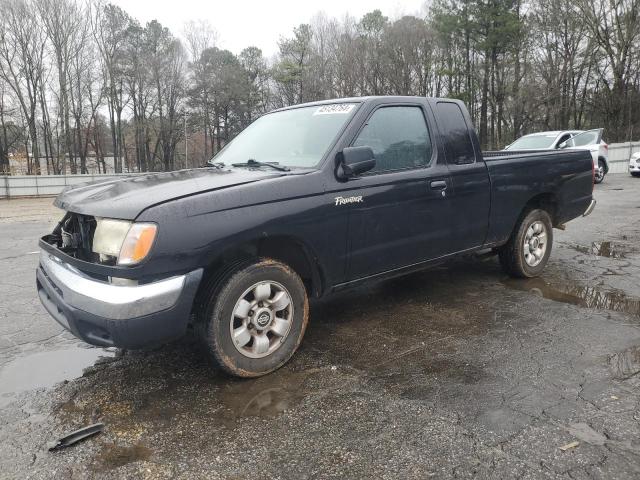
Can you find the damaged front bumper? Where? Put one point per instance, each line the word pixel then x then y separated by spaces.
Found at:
pixel 104 314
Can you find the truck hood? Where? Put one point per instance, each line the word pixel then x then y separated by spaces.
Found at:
pixel 126 198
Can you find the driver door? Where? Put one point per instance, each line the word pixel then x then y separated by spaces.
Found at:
pixel 402 213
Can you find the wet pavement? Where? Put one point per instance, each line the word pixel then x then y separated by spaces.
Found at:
pixel 454 372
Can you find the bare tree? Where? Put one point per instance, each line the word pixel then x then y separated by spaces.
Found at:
pixel 63 24
pixel 111 28
pixel 199 35
pixel 22 45
pixel 615 26
pixel 167 60
pixel 10 134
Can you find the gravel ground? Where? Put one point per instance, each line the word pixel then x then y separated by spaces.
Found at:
pixel 455 372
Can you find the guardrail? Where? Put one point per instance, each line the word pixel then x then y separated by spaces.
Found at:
pixel 45 185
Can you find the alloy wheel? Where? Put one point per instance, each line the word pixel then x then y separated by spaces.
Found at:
pixel 261 319
pixel 535 243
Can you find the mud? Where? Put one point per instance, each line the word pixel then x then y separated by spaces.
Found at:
pixel 114 456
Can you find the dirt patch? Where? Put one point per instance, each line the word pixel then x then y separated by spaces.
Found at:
pixel 114 456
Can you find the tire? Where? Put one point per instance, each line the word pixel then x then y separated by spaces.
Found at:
pixel 520 261
pixel 634 174
pixel 600 172
pixel 264 300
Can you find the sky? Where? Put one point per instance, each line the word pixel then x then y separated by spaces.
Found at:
pixel 242 23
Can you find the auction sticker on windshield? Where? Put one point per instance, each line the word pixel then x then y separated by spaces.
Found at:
pixel 334 108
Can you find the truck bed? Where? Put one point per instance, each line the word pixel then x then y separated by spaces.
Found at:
pixel 563 178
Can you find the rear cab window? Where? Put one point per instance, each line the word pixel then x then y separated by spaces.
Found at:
pixel 458 143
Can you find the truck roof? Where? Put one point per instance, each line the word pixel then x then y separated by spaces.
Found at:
pixel 392 98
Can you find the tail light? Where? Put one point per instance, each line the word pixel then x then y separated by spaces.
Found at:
pixel 606 146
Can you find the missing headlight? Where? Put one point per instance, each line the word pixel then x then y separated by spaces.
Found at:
pixel 73 235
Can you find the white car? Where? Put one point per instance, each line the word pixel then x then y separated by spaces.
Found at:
pixel 634 164
pixel 570 139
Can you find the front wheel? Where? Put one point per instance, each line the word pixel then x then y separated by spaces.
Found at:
pixel 599 173
pixel 526 253
pixel 255 318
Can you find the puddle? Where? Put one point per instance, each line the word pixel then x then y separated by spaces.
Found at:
pixel 45 369
pixel 263 397
pixel 602 249
pixel 625 364
pixel 580 295
pixel 114 456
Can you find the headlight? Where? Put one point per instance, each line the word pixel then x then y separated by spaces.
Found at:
pixel 137 244
pixel 129 242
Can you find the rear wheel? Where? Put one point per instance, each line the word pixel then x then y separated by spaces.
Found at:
pixel 599 172
pixel 526 253
pixel 255 318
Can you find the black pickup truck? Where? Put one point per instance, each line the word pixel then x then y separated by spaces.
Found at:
pixel 306 201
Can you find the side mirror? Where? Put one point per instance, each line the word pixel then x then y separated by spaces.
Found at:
pixel 562 145
pixel 353 161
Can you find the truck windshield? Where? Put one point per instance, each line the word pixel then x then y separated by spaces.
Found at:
pixel 533 142
pixel 293 138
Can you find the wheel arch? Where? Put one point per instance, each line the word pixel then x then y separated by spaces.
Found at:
pixel 606 163
pixel 287 249
pixel 546 201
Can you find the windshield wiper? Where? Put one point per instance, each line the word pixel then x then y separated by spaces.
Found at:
pixel 211 163
pixel 254 163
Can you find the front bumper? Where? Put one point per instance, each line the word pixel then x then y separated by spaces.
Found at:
pixel 104 314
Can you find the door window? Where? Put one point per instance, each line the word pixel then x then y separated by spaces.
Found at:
pixel 398 137
pixel 589 137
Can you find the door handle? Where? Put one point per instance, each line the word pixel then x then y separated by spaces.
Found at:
pixel 439 186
